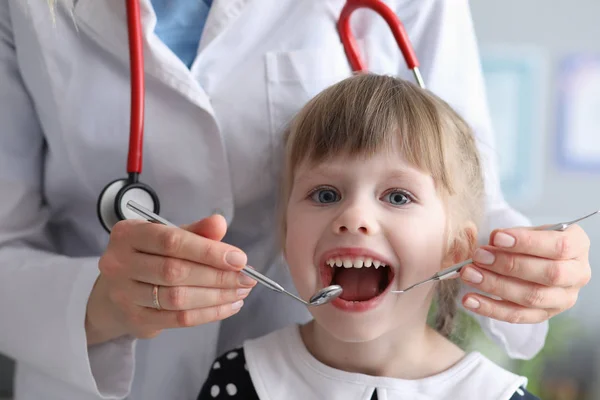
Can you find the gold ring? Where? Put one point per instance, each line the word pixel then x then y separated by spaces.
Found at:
pixel 155 297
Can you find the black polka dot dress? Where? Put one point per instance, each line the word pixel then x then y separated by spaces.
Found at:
pixel 229 379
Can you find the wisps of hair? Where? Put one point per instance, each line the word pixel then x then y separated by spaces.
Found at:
pixel 447 292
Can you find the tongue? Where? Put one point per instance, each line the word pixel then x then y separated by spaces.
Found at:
pixel 359 284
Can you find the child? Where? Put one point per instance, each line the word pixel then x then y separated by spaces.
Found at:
pixel 382 188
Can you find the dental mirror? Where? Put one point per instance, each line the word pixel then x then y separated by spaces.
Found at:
pixel 325 295
pixel 322 296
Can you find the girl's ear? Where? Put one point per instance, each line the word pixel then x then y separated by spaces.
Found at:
pixel 463 245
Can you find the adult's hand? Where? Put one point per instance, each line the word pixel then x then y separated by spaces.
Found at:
pixel 536 274
pixel 197 276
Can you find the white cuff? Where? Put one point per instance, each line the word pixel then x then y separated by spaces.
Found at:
pixel 110 364
pixel 44 326
pixel 519 341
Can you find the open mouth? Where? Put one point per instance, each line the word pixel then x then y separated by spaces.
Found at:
pixel 363 279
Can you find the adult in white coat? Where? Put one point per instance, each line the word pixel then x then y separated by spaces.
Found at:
pixel 211 141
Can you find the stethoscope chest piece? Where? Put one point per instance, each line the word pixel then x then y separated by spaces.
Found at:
pixel 112 203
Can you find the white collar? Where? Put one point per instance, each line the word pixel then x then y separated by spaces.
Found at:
pixel 282 368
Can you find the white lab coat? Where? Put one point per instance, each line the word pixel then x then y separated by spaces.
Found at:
pixel 210 146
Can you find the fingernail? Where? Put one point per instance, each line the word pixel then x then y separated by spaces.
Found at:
pixel 246 280
pixel 237 305
pixel 243 292
pixel 472 303
pixel 236 259
pixel 503 240
pixel 482 256
pixel 472 275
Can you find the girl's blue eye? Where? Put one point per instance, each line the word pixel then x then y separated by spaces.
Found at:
pixel 397 198
pixel 325 196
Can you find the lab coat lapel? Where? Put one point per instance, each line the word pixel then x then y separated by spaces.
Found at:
pixel 222 14
pixel 105 22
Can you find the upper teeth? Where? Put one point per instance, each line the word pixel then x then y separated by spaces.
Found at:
pixel 358 262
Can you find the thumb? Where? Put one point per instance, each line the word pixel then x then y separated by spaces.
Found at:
pixel 213 227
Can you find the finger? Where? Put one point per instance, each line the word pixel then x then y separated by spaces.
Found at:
pixel 213 227
pixel 563 273
pixel 152 319
pixel 569 244
pixel 527 294
pixel 505 311
pixel 152 238
pixel 169 271
pixel 184 297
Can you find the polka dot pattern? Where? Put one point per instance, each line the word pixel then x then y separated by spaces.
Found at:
pixel 231 389
pixel 229 379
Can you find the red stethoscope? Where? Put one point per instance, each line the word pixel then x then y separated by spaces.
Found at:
pixel 112 202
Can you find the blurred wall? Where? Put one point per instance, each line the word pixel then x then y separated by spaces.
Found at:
pixel 558 28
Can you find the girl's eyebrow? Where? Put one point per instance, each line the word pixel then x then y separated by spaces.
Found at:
pixel 402 174
pixel 407 177
pixel 321 171
pixel 310 175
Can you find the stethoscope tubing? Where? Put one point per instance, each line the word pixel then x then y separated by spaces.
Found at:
pixel 136 57
pixel 110 206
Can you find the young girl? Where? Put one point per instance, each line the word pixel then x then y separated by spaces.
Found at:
pixel 382 188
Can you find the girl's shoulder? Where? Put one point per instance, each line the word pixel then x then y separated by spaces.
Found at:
pixel 229 377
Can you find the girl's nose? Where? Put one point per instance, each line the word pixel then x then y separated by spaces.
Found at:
pixel 356 221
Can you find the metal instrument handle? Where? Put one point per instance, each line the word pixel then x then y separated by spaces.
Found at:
pixel 271 284
pixel 152 217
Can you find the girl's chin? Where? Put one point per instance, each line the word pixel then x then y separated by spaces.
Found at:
pixel 353 330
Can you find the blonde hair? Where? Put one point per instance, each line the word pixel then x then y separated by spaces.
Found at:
pixel 365 114
pixel 67 5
